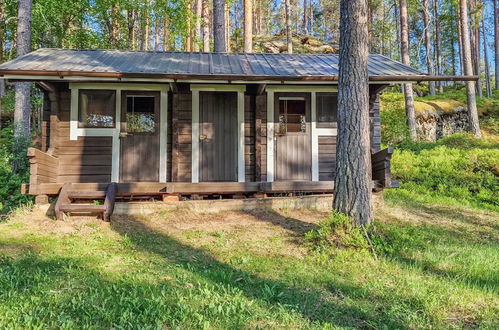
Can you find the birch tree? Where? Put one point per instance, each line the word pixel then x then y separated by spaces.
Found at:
pixel 353 183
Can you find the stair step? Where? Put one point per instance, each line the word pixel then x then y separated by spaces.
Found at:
pixel 90 208
pixel 86 194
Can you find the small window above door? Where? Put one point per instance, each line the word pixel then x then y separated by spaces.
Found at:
pixel 292 115
pixel 140 113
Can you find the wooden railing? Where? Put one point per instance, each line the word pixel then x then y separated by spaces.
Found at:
pixel 44 168
pixel 382 175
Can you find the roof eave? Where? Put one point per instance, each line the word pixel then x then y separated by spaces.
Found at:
pixel 42 75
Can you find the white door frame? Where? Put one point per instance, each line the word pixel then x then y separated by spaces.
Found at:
pixel 315 132
pixel 75 131
pixel 195 89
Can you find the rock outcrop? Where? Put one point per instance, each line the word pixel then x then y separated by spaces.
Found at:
pixel 435 124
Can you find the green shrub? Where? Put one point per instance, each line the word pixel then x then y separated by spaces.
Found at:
pixel 10 187
pixel 458 168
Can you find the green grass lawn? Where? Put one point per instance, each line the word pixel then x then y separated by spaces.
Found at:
pixel 433 262
pixel 436 267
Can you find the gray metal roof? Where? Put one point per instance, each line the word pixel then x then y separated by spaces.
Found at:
pixel 114 63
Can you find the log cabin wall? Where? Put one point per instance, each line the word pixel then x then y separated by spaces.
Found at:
pixel 181 151
pixel 88 159
pixel 249 137
pixel 375 121
pixel 261 137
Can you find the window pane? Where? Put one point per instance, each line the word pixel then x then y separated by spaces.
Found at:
pixel 96 108
pixel 140 114
pixel 326 109
pixel 292 116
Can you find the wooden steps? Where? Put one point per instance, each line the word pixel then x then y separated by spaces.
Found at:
pixel 68 195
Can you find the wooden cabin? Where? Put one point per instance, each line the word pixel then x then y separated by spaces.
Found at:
pixel 194 124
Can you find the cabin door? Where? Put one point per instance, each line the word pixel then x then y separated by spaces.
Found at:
pixel 139 137
pixel 292 138
pixel 218 136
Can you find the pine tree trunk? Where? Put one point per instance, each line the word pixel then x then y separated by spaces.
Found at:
pixel 429 59
pixel 438 54
pixel 227 27
pixel 22 111
pixel 475 52
pixel 289 36
pixel 353 183
pixel 496 41
pixel 2 45
pixel 147 31
pixel 488 81
pixel 305 18
pixel 188 35
pixel 404 51
pixel 157 34
pixel 131 29
pixel 460 42
pixel 166 33
pixel 248 26
pixel 206 26
pixel 468 69
pixel 199 12
pixel 219 45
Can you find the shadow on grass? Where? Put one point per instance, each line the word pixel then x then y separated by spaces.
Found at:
pixel 310 303
pixel 298 227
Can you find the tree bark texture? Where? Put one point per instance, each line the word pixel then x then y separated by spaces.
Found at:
pixel 427 41
pixel 199 12
pixel 2 42
pixel 468 69
pixel 475 45
pixel 289 34
pixel 496 41
pixel 404 51
pixel 438 54
pixel 22 89
pixel 206 26
pixel 353 183
pixel 305 17
pixel 488 82
pixel 219 36
pixel 188 36
pixel 248 26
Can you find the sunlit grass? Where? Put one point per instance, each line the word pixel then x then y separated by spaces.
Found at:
pixel 432 270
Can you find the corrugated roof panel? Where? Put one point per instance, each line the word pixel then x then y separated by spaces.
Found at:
pixel 195 64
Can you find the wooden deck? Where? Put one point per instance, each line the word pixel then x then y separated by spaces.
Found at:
pixel 181 188
pixel 207 188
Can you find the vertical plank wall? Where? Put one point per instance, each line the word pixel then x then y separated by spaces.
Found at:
pixel 87 159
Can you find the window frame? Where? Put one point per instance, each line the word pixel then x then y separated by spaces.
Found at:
pixel 157 109
pixel 326 124
pixel 113 110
